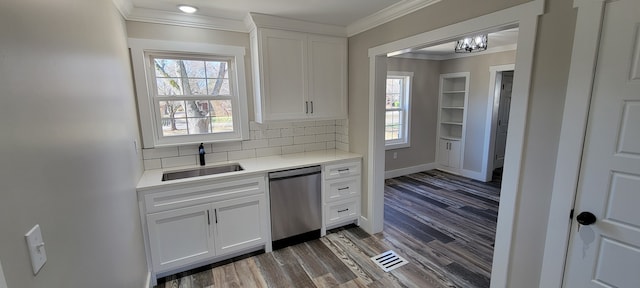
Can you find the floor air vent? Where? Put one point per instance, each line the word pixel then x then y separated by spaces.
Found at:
pixel 389 260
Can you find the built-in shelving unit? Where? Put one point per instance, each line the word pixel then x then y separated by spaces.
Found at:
pixel 452 114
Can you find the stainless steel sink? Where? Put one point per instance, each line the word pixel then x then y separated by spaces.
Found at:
pixel 201 172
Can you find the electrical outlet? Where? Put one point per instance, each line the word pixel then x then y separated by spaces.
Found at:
pixel 36 248
pixel 395 155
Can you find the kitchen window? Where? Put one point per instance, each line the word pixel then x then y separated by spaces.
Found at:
pixel 189 93
pixel 398 98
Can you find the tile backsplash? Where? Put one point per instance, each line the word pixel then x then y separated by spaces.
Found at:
pixel 265 140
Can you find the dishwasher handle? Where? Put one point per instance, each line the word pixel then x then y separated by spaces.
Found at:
pixel 294 172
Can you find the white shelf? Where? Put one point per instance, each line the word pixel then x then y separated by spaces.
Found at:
pixel 450 138
pixel 454 91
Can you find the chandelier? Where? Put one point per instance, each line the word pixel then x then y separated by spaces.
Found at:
pixel 472 44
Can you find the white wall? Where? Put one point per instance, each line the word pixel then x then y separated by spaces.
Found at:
pixel 68 124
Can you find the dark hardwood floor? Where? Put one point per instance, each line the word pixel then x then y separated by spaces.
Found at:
pixel 443 224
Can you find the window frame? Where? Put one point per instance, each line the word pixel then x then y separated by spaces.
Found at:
pixel 143 50
pixel 405 141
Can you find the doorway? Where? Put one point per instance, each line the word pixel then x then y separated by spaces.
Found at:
pixel 498 110
pixel 524 16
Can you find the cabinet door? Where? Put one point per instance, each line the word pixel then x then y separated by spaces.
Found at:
pixel 327 77
pixel 180 237
pixel 240 223
pixel 443 152
pixel 454 154
pixel 284 59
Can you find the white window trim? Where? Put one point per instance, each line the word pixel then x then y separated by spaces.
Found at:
pixel 150 136
pixel 405 142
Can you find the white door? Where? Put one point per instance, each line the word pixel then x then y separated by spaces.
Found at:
pixel 503 119
pixel 607 253
pixel 240 224
pixel 327 77
pixel 179 237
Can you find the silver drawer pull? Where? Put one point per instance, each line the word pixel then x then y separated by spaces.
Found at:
pixel 345 210
pixel 345 188
pixel 343 170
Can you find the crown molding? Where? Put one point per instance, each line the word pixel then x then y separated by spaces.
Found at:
pixel 123 6
pixel 424 56
pixel 404 7
pixel 189 20
pixel 385 15
pixel 254 20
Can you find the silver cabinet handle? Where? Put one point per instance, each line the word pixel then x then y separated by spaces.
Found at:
pixel 345 210
pixel 344 188
pixel 306 107
pixel 311 107
pixel 208 218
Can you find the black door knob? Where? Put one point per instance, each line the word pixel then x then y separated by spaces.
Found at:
pixel 586 218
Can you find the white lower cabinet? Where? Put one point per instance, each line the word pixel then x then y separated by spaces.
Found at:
pixel 240 224
pixel 180 237
pixel 449 153
pixel 224 218
pixel 341 188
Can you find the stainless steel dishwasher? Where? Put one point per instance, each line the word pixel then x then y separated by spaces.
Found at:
pixel 295 198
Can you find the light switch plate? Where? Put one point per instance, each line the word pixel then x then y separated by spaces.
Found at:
pixel 36 248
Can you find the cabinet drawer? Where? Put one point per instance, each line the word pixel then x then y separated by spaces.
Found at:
pixel 341 188
pixel 216 191
pixel 342 170
pixel 337 212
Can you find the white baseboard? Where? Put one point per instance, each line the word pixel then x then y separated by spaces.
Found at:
pixel 473 175
pixel 365 224
pixel 147 283
pixel 409 170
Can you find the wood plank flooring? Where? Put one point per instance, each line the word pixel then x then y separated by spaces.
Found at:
pixel 443 224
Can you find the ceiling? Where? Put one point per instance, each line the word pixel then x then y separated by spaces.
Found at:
pixel 333 12
pixel 498 41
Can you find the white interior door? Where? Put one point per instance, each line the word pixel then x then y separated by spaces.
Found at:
pixel 503 119
pixel 607 253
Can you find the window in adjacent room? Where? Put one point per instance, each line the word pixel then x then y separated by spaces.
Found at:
pixel 191 94
pixel 398 99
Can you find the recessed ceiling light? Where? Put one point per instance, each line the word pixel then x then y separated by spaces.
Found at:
pixel 187 8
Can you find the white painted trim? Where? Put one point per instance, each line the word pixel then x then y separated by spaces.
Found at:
pixel 3 282
pixel 385 15
pixel 123 6
pixel 376 151
pixel 425 56
pixel 572 134
pixel 409 170
pixel 472 174
pixel 181 19
pixel 406 141
pixel 150 136
pixel 259 20
pixel 491 120
pixel 147 281
pixel 526 17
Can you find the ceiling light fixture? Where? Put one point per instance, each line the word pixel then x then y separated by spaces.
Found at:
pixel 472 44
pixel 187 8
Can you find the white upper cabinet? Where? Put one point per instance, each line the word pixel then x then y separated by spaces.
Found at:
pixel 298 75
pixel 327 76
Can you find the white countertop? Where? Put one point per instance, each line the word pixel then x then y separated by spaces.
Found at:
pixel 153 178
